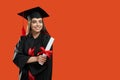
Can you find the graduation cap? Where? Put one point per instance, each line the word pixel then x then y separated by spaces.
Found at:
pixel 36 12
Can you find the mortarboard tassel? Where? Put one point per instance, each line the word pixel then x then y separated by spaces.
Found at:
pixel 23 31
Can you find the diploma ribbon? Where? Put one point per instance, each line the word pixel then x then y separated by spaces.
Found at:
pixel 43 51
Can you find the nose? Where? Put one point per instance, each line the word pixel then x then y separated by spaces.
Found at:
pixel 38 24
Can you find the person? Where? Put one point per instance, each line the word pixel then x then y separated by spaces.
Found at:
pixel 28 52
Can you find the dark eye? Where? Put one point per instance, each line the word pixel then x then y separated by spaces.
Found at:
pixel 40 21
pixel 33 21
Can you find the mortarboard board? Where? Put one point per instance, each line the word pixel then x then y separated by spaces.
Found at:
pixel 36 12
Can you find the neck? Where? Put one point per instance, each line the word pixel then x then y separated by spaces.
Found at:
pixel 35 35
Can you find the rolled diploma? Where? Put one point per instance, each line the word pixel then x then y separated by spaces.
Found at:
pixel 48 47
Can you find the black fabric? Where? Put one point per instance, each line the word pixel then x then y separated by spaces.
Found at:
pixel 36 12
pixel 41 72
pixel 34 15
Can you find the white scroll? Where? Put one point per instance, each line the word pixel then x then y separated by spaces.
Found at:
pixel 48 47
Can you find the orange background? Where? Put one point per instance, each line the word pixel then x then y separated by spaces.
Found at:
pixel 86 32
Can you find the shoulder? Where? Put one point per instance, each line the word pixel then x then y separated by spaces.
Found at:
pixel 21 41
pixel 22 38
pixel 46 36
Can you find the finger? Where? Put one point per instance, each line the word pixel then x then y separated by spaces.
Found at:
pixel 42 59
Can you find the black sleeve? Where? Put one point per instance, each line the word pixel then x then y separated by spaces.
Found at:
pixel 20 59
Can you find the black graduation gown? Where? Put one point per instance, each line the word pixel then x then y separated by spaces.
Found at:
pixel 40 72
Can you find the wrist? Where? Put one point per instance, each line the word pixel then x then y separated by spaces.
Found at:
pixel 36 58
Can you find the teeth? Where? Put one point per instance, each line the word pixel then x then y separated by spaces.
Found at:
pixel 37 27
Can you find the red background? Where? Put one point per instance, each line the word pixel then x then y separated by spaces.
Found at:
pixel 86 32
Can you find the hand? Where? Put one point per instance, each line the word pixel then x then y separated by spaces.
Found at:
pixel 41 59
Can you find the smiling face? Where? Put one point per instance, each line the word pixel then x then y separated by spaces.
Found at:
pixel 36 25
